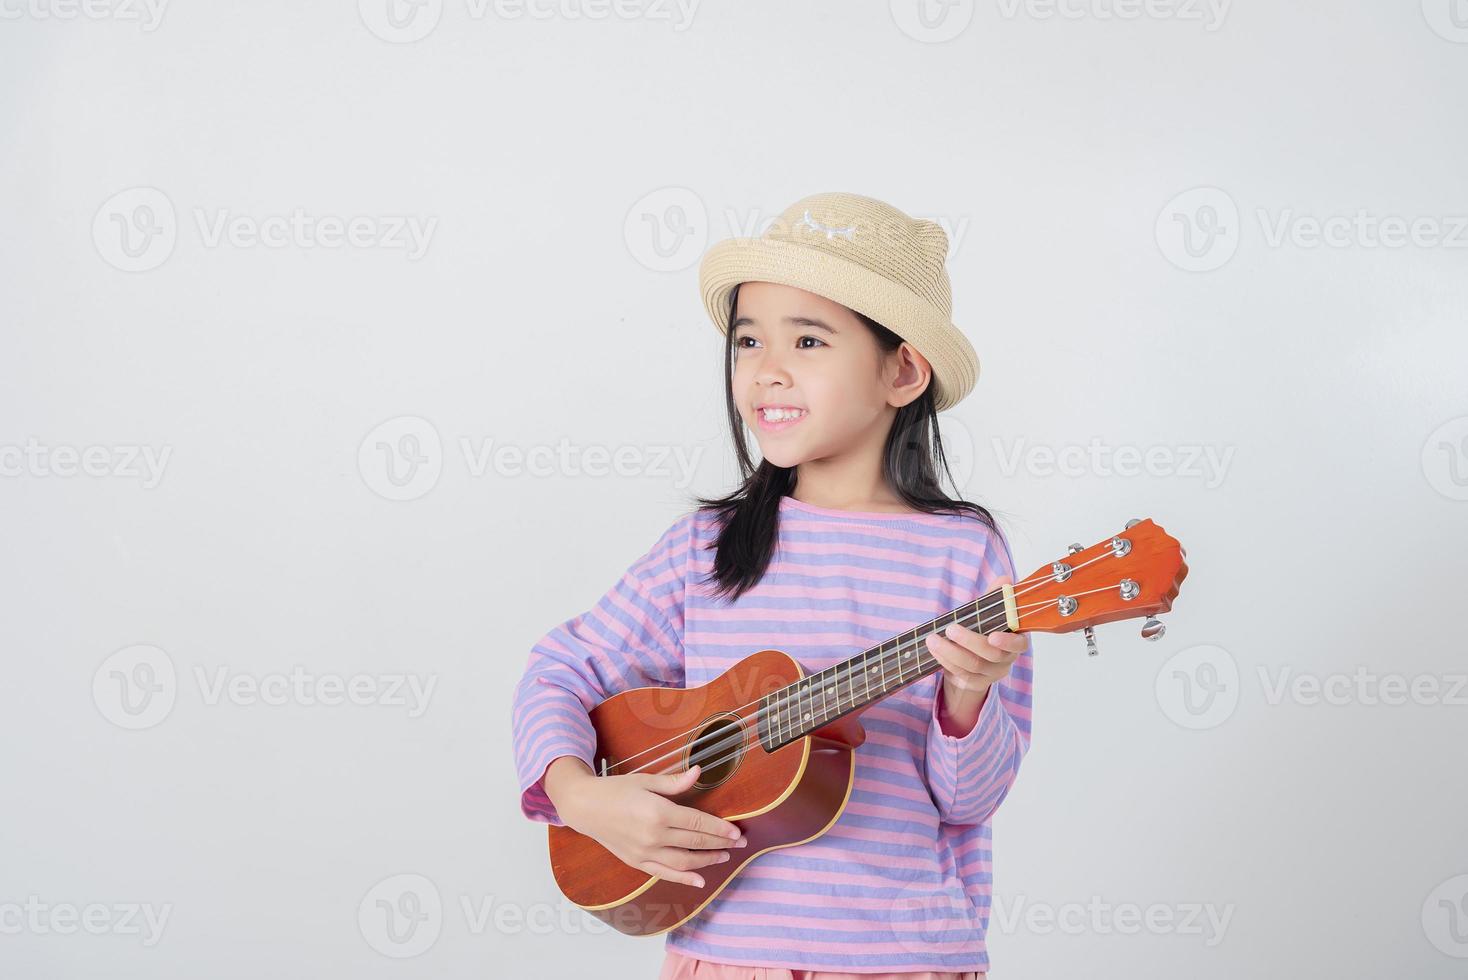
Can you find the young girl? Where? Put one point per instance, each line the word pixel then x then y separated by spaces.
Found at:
pixel 839 355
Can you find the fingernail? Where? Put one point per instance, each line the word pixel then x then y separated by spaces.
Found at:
pixel 742 842
pixel 698 881
pixel 723 856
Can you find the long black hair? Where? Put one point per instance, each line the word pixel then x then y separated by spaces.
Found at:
pixel 749 516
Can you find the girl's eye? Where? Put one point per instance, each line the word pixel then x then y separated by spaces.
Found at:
pixel 739 342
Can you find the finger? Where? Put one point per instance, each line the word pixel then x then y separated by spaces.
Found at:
pixel 677 857
pixel 980 644
pixel 945 658
pixel 678 837
pixel 692 818
pixel 1011 644
pixel 671 783
pixel 963 657
pixel 672 874
pixel 965 678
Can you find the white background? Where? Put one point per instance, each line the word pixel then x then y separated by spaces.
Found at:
pixel 568 171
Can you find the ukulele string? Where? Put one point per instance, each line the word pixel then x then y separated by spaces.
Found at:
pixel 1019 589
pixel 786 700
pixel 1029 585
pixel 789 699
pixel 736 743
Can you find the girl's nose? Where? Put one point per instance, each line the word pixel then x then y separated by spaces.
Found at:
pixel 772 371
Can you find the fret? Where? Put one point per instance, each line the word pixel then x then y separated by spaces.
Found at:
pixel 883 661
pixel 895 657
pixel 866 672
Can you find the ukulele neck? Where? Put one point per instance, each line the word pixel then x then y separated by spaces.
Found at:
pixel 818 699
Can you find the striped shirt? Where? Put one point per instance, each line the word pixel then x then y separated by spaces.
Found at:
pixel 902 880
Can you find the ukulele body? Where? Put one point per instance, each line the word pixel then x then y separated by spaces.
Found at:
pixel 778 799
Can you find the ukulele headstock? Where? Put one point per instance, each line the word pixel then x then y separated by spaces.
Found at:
pixel 1135 573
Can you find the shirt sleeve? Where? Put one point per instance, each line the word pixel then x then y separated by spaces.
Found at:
pixel 632 637
pixel 969 776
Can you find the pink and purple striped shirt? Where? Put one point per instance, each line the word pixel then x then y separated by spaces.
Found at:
pixel 902 881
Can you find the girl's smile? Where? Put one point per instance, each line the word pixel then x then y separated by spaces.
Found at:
pixel 778 418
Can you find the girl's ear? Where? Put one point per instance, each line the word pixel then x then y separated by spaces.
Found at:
pixel 912 378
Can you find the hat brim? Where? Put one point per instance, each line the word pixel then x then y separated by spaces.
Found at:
pixel 733 261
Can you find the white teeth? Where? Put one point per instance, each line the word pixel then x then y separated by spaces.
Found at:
pixel 782 414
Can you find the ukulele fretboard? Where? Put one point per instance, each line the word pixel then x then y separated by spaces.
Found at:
pixel 820 698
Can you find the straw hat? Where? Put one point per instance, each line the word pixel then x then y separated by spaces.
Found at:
pixel 865 255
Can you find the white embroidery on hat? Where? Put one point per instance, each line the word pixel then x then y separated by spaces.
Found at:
pixel 830 232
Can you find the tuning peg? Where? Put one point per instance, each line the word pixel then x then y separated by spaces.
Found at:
pixel 1076 546
pixel 1153 628
pixel 1091 650
pixel 1133 522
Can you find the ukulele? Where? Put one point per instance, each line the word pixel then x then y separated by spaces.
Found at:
pixel 776 746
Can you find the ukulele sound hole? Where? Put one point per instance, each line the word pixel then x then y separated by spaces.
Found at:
pixel 717 749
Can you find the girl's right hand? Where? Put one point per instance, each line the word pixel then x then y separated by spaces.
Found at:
pixel 630 816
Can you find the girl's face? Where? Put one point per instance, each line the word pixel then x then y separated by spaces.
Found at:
pixel 812 356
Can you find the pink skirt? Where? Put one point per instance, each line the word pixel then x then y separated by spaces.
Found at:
pixel 679 967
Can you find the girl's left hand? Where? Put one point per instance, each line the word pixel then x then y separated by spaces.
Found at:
pixel 973 661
